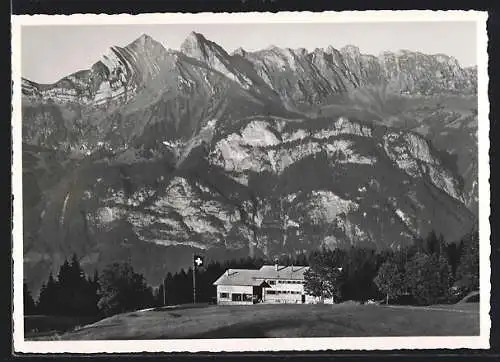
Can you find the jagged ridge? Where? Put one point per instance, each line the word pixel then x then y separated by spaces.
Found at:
pixel 155 152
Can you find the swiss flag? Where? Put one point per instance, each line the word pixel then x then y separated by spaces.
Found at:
pixel 198 261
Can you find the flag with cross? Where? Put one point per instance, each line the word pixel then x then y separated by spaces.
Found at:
pixel 198 261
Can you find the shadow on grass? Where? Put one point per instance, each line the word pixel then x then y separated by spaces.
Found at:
pixel 42 325
pixel 249 329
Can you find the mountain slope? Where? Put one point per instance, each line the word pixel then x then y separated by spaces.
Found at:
pixel 152 154
pixel 243 191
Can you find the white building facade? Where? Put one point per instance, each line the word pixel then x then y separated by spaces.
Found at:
pixel 271 284
pixel 237 286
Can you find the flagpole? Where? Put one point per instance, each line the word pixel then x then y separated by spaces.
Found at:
pixel 164 291
pixel 194 281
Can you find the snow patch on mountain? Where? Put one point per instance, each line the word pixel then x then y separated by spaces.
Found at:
pixel 405 219
pixel 63 211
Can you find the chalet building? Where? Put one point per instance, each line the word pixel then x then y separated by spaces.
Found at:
pixel 270 284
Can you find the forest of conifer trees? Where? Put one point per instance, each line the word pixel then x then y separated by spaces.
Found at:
pixel 429 271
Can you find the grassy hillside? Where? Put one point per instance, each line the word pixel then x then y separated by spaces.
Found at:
pixel 282 321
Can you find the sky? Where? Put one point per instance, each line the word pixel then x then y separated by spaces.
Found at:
pixel 49 53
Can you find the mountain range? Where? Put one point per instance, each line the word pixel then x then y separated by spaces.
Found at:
pixel 153 154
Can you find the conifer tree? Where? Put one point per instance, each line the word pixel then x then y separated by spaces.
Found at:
pixel 28 301
pixel 467 274
pixel 48 301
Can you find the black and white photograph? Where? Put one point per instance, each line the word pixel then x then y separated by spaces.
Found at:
pixel 250 182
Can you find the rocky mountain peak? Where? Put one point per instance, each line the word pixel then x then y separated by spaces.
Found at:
pixel 194 45
pixel 151 146
pixel 145 45
pixel 143 39
pixel 239 51
pixel 351 50
pixel 301 51
pixel 272 47
pixel 330 49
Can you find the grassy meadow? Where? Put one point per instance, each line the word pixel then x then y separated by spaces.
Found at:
pixel 282 321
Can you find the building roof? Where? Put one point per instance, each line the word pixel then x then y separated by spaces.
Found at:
pixel 239 277
pixel 254 277
pixel 292 272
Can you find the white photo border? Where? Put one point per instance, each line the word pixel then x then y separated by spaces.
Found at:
pixel 256 344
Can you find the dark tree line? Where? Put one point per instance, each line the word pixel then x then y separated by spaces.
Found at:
pixel 427 272
pixel 118 288
pixel 179 286
pixel 123 290
pixel 72 293
pixel 344 274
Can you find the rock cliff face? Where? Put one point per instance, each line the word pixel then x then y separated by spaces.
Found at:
pixel 301 77
pixel 116 76
pixel 152 154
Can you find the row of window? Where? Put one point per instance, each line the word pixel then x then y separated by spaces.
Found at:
pixel 237 297
pixel 243 297
pixel 274 282
pixel 282 292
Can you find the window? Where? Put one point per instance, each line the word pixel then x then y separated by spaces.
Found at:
pixel 247 297
pixel 272 282
pixel 271 292
pixel 224 295
pixel 237 297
